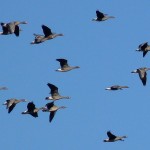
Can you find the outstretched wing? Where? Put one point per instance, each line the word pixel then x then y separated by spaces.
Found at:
pixel 4 28
pixel 143 45
pixel 51 116
pixel 99 14
pixel 46 30
pixel 11 107
pixel 30 106
pixel 16 30
pixel 53 88
pixel 49 105
pixel 110 135
pixel 35 114
pixel 144 53
pixel 63 62
pixel 143 76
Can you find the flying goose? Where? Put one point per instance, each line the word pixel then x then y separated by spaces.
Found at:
pixel 116 87
pixel 144 47
pixel 54 93
pixel 113 138
pixel 32 110
pixel 50 107
pixel 64 66
pixel 11 27
pixel 47 35
pixel 101 16
pixel 3 88
pixel 142 74
pixel 11 103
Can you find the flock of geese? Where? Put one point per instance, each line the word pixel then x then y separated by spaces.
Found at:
pixel 13 28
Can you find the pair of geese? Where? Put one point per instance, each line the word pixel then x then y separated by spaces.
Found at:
pixel 13 28
pixel 142 74
pixel 144 47
pixel 32 110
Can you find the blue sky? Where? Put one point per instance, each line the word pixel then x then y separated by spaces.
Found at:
pixel 105 52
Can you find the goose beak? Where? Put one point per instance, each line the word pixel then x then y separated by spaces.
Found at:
pixel 4 103
pixel 134 71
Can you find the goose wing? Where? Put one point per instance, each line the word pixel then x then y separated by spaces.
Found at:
pixel 46 30
pixel 110 135
pixel 144 53
pixel 53 88
pixel 143 45
pixel 30 106
pixel 63 63
pixel 35 114
pixel 49 105
pixel 143 76
pixel 4 28
pixel 16 30
pixel 11 107
pixel 115 87
pixel 51 116
pixel 99 14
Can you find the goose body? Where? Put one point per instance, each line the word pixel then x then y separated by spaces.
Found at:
pixel 144 47
pixel 113 138
pixel 101 16
pixel 54 93
pixel 11 103
pixel 142 74
pixel 64 65
pixel 50 107
pixel 116 87
pixel 47 35
pixel 32 110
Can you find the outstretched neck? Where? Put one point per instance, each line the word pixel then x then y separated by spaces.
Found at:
pixel 65 97
pixel 55 35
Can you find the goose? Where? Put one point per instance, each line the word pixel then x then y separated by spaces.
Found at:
pixel 47 35
pixel 116 87
pixel 64 65
pixel 144 47
pixel 32 110
pixel 50 107
pixel 101 16
pixel 11 27
pixel 113 138
pixel 11 103
pixel 142 74
pixel 3 88
pixel 54 93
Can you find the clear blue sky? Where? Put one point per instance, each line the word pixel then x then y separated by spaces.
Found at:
pixel 105 52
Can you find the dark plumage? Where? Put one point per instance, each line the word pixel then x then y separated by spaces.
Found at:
pixel 116 87
pixel 142 74
pixel 11 103
pixel 113 138
pixel 144 47
pixel 32 110
pixel 101 16
pixel 64 65
pixel 50 107
pixel 11 27
pixel 54 93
